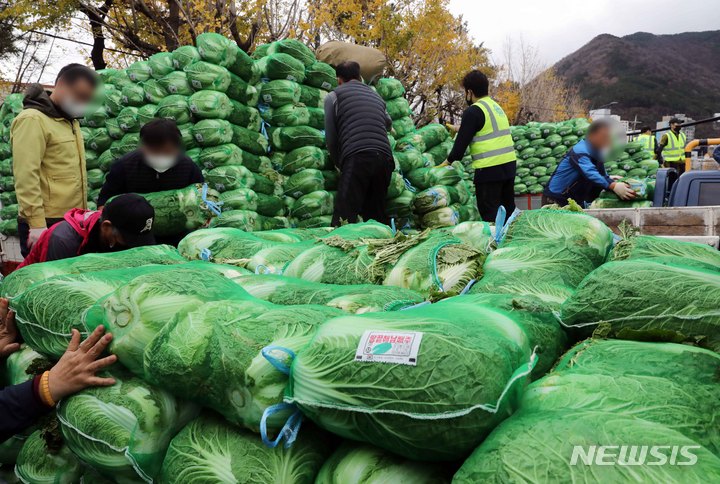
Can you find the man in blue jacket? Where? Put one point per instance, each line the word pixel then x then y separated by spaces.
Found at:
pixel 581 174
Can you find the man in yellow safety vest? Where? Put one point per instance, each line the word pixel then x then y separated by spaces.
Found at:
pixel 647 138
pixel 671 150
pixel 485 129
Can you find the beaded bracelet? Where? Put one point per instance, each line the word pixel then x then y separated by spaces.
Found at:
pixel 45 389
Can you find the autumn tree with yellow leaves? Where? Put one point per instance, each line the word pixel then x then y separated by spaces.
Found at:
pixel 427 47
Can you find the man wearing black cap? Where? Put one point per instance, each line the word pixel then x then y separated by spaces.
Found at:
pixel 125 222
pixel 671 150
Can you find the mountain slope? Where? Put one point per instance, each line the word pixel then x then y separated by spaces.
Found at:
pixel 649 75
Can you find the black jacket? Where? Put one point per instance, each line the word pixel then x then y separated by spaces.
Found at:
pixel 20 408
pixel 130 174
pixel 356 120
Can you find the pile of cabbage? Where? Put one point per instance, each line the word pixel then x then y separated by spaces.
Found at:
pixel 423 194
pixel 540 147
pixel 444 260
pixel 637 167
pixel 267 357
pixel 10 108
pixel 239 116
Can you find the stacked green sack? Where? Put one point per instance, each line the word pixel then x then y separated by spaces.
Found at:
pixel 400 194
pixel 457 365
pixel 681 305
pixel 293 85
pixel 11 107
pixel 546 253
pixel 442 194
pixel 208 90
pixel 540 147
pixel 653 405
pixel 637 167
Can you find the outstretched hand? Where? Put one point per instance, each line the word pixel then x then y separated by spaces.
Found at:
pixel 8 331
pixel 77 367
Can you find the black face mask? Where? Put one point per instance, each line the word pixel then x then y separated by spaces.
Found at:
pixel 469 100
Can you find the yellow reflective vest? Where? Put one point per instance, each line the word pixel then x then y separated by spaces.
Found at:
pixel 493 144
pixel 674 151
pixel 649 141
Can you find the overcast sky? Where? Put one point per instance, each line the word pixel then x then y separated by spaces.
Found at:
pixel 559 27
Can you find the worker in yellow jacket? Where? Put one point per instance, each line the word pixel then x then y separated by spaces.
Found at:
pixel 485 130
pixel 647 138
pixel 671 149
pixel 48 152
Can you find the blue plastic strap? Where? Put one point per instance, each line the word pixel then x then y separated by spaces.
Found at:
pixel 392 226
pixel 214 207
pixel 279 365
pixel 409 186
pixel 468 287
pixel 499 223
pixel 424 303
pixel 289 431
pixel 205 254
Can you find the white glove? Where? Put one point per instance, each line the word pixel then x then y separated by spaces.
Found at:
pixel 623 191
pixel 34 235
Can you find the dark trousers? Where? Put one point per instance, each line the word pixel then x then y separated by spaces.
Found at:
pixel 363 186
pixel 491 195
pixel 24 232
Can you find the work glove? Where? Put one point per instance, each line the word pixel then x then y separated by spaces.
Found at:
pixel 34 235
pixel 623 191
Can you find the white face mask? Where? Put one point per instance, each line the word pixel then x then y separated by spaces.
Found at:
pixel 160 163
pixel 73 108
pixel 605 152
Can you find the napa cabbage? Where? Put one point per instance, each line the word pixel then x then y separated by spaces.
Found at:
pixel 365 464
pixel 137 311
pixel 356 299
pixel 122 431
pixel 212 355
pixel 437 405
pixel 210 450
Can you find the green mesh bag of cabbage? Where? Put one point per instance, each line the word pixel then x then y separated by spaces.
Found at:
pixel 661 249
pixel 428 262
pixel 214 355
pixel 122 431
pixel 136 312
pixel 209 450
pixel 183 210
pixel 38 463
pixel 427 383
pixel 626 394
pixel 356 299
pixel 20 280
pixel 588 234
pixel 680 305
pixel 362 463
pixel 48 311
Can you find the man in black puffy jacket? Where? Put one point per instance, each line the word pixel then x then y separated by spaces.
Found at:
pixel 356 128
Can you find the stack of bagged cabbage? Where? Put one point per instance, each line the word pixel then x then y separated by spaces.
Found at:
pixel 10 108
pixel 239 117
pixel 637 167
pixel 423 194
pixel 540 147
pixel 292 91
pixel 229 376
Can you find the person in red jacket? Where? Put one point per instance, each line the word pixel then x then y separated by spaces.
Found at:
pixel 125 222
